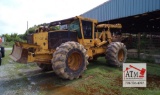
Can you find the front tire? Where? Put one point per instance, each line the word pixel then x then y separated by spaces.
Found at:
pixel 116 54
pixel 70 60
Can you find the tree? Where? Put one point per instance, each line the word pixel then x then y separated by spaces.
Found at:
pixel 12 38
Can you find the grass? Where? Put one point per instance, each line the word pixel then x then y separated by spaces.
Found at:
pixel 8 44
pixel 6 59
pixel 99 79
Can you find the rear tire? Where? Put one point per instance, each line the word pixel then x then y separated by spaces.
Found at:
pixel 70 60
pixel 45 67
pixel 116 54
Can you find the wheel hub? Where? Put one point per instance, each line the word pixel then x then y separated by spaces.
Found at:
pixel 74 61
pixel 121 55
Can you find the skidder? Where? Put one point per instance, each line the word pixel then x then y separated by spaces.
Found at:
pixel 68 50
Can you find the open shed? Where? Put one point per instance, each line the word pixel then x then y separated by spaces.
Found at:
pixel 140 21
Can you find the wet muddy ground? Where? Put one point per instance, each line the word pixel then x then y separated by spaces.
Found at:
pixel 98 79
pixel 30 80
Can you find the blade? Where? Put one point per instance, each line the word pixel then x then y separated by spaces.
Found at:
pixel 19 54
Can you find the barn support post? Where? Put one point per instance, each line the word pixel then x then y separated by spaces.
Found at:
pixel 139 44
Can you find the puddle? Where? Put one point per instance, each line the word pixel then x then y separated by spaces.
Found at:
pixel 97 90
pixel 51 89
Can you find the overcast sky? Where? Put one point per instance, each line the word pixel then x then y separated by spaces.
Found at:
pixel 14 14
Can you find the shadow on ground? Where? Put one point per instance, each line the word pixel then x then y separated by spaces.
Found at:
pixel 98 79
pixel 29 81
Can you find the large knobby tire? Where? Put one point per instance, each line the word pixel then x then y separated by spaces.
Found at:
pixel 116 54
pixel 70 60
pixel 45 67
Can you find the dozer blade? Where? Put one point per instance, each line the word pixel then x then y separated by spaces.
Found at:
pixel 19 54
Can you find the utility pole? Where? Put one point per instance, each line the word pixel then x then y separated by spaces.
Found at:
pixel 27 25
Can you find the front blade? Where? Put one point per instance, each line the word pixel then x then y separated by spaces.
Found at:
pixel 19 54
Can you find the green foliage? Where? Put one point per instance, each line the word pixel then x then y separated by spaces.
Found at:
pixel 13 37
pixel 31 30
pixel 55 28
pixel 23 37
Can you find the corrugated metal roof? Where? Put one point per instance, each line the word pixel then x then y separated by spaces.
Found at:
pixel 115 9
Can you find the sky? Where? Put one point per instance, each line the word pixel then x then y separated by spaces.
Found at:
pixel 14 14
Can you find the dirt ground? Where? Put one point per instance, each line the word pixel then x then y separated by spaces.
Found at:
pixel 98 79
pixel 30 81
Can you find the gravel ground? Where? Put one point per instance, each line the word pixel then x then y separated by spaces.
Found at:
pixel 25 81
